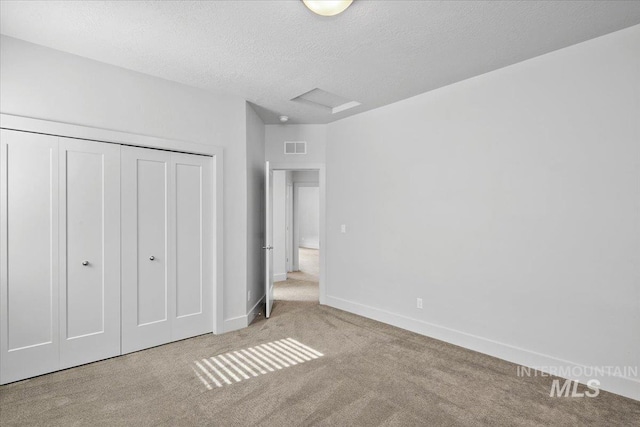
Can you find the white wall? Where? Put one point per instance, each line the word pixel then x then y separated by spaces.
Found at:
pixel 279 226
pixel 314 135
pixel 255 212
pixel 509 202
pixel 47 84
pixel 308 217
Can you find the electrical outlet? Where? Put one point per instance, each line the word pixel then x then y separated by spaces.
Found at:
pixel 419 303
pixel 249 296
pixel 343 228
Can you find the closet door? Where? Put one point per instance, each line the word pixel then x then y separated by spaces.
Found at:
pixel 89 251
pixel 191 244
pixel 146 270
pixel 29 341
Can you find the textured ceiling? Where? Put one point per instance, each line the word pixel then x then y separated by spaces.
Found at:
pixel 269 52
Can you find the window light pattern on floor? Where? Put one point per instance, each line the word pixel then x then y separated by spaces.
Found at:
pixel 236 366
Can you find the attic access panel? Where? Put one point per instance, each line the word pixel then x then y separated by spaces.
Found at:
pixel 327 100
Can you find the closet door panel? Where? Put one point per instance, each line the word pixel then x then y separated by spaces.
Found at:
pixel 192 234
pixel 29 255
pixel 90 251
pixel 152 235
pixel 146 270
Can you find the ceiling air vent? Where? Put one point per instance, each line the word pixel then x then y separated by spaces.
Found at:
pixel 327 100
pixel 295 147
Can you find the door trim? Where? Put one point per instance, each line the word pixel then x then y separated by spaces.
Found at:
pixel 28 124
pixel 46 127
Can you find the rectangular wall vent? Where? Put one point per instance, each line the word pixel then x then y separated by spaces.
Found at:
pixel 295 147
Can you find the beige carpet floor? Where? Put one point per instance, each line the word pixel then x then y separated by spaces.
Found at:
pixel 371 374
pixel 301 285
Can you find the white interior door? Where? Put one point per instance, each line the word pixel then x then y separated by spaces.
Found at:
pixel 146 269
pixel 192 244
pixel 29 341
pixel 89 251
pixel 268 247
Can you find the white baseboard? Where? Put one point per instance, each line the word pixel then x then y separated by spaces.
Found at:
pixel 624 386
pixel 234 324
pixel 240 322
pixel 280 277
pixel 254 311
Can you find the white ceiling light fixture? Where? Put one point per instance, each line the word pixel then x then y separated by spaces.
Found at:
pixel 327 7
pixel 284 119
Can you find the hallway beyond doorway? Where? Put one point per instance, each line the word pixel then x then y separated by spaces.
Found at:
pixel 301 285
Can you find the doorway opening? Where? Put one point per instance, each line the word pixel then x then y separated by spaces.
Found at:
pixel 295 198
pixel 296 235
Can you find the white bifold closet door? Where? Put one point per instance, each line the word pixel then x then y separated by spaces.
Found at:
pixel 29 255
pixel 166 247
pixel 60 254
pixel 191 220
pixel 89 251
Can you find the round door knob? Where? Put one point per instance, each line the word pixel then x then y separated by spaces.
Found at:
pixel 85 262
pixel 152 257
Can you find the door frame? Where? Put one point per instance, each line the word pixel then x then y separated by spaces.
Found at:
pixel 320 167
pixel 28 124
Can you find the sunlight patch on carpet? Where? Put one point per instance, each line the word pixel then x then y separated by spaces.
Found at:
pixel 237 366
